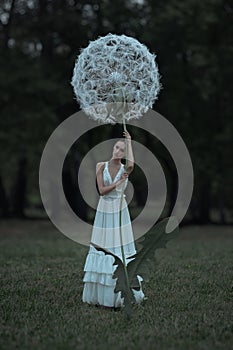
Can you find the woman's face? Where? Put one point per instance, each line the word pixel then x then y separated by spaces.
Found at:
pixel 118 150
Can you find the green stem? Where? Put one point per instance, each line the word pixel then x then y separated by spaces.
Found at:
pixel 122 248
pixel 121 201
pixel 126 147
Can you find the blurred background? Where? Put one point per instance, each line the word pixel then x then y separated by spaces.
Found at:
pixel 39 42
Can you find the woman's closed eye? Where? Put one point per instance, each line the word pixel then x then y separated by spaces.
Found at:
pixel 120 149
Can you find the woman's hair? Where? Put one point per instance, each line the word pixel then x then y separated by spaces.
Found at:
pixel 121 140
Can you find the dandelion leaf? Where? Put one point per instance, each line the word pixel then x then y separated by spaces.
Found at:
pixel 144 259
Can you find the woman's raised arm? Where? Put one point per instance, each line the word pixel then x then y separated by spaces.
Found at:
pixel 130 152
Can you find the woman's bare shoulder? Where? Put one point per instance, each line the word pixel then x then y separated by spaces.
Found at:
pixel 100 166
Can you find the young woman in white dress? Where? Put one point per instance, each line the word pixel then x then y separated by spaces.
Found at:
pixel 98 269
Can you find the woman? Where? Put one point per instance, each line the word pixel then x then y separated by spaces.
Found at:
pixel 111 180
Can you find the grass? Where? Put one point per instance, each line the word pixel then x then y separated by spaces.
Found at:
pixel 189 302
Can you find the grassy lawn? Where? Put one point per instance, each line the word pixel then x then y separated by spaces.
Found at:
pixel 189 302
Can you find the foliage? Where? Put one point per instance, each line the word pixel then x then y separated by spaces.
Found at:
pixel 142 263
pixel 38 47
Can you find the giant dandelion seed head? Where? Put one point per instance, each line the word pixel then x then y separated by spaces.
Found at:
pixel 115 75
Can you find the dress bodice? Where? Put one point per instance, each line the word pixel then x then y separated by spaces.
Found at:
pixel 108 181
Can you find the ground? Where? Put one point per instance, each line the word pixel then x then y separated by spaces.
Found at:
pixel 189 303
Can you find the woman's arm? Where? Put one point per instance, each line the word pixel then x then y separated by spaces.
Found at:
pixel 100 181
pixel 130 152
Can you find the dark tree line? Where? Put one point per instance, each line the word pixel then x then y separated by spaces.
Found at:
pixel 39 42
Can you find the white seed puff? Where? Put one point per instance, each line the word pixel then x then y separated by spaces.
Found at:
pixel 115 74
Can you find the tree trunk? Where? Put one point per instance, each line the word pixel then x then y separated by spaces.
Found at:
pixel 4 203
pixel 19 190
pixel 222 218
pixel 193 210
pixel 54 201
pixel 45 35
pixel 204 204
pixel 71 188
pixel 141 195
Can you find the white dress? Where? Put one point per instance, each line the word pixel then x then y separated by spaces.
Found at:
pixel 98 269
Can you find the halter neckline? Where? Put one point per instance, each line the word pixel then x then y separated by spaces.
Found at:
pixel 112 180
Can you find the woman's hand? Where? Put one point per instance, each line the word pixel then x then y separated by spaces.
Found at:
pixel 127 135
pixel 123 177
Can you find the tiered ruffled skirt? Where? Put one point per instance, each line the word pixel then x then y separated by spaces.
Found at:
pixel 98 279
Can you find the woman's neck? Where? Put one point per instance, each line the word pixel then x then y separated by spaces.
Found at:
pixel 114 161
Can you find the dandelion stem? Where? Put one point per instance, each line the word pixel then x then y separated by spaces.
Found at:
pixel 121 201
